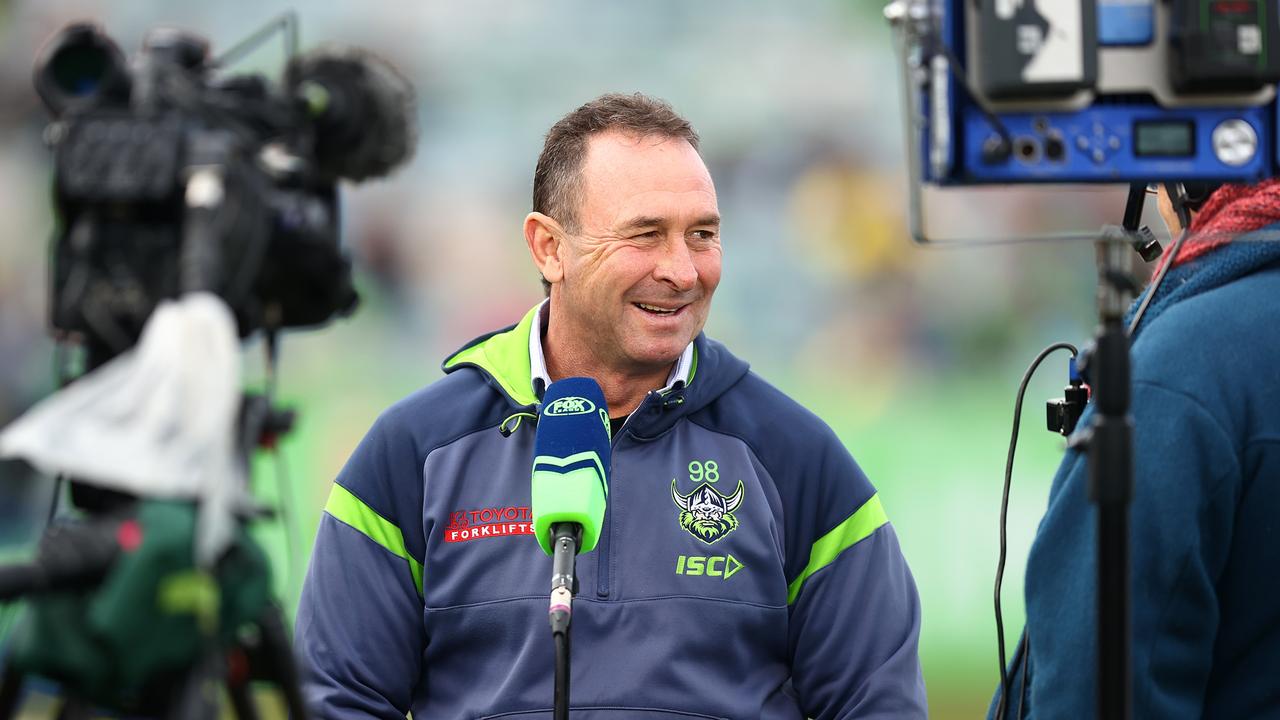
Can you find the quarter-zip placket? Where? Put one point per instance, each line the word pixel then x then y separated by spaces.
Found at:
pixel 655 401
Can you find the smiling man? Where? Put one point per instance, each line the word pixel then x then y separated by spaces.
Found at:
pixel 746 567
pixel 635 256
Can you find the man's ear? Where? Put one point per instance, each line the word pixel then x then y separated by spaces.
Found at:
pixel 542 234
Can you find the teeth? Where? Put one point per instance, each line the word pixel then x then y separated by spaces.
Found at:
pixel 658 310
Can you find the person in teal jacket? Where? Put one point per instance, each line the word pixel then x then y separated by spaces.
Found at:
pixel 746 567
pixel 1205 513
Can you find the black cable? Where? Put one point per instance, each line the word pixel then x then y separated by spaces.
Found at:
pixel 562 675
pixel 1004 511
pixel 1157 280
pixel 1177 196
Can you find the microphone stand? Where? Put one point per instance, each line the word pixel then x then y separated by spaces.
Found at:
pixel 566 539
pixel 1109 443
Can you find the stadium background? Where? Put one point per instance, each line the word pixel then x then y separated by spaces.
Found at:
pixel 912 355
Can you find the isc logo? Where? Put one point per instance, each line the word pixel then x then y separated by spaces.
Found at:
pixel 570 406
pixel 721 566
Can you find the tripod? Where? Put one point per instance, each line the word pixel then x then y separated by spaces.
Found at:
pixel 262 654
pixel 124 619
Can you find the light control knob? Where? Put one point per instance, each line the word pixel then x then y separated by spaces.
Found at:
pixel 1234 142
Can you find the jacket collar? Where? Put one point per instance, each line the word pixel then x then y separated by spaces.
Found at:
pixel 512 360
pixel 502 357
pixel 681 372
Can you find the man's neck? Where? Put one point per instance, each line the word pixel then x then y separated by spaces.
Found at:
pixel 563 358
pixel 624 388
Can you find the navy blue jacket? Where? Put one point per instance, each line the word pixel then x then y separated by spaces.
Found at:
pixel 1205 515
pixel 426 592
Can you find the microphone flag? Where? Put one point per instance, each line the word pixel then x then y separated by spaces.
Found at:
pixel 571 459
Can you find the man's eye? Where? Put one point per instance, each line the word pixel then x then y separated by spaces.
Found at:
pixel 704 234
pixel 647 235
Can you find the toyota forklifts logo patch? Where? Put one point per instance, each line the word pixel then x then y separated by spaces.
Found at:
pixel 465 525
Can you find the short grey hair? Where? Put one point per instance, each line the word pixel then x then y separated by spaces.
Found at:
pixel 557 181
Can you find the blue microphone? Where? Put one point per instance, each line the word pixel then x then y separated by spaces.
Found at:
pixel 571 455
pixel 570 486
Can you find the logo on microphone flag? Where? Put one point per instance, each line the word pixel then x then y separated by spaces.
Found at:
pixel 569 406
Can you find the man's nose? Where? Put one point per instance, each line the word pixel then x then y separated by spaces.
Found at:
pixel 675 265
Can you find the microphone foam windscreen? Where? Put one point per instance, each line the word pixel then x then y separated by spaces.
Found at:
pixel 571 460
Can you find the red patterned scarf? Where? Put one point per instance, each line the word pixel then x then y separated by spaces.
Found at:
pixel 1230 211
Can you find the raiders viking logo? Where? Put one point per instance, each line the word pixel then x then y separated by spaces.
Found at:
pixel 707 514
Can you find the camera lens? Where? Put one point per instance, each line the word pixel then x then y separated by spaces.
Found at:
pixel 78 70
pixel 78 66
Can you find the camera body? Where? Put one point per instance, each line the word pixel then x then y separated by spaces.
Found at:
pixel 1093 91
pixel 171 177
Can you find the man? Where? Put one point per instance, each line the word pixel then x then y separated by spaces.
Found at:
pixel 785 596
pixel 1204 538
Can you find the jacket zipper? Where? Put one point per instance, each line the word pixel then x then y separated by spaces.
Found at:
pixel 604 548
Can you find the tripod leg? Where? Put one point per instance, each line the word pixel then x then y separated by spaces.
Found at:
pixel 10 692
pixel 238 686
pixel 278 653
pixel 200 695
pixel 242 701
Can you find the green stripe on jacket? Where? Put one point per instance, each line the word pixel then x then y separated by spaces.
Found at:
pixel 354 512
pixel 853 530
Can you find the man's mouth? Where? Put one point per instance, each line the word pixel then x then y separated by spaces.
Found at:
pixel 658 309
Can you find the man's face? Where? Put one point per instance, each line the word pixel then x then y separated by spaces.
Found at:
pixel 641 268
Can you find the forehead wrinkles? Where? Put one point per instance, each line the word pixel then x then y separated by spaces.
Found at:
pixel 670 209
pixel 636 176
pixel 627 174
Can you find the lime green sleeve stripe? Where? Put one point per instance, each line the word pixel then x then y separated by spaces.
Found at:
pixel 854 529
pixel 354 512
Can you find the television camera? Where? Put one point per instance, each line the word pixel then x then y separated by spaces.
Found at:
pixel 194 207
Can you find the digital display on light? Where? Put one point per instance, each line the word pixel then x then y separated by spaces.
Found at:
pixel 1164 138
